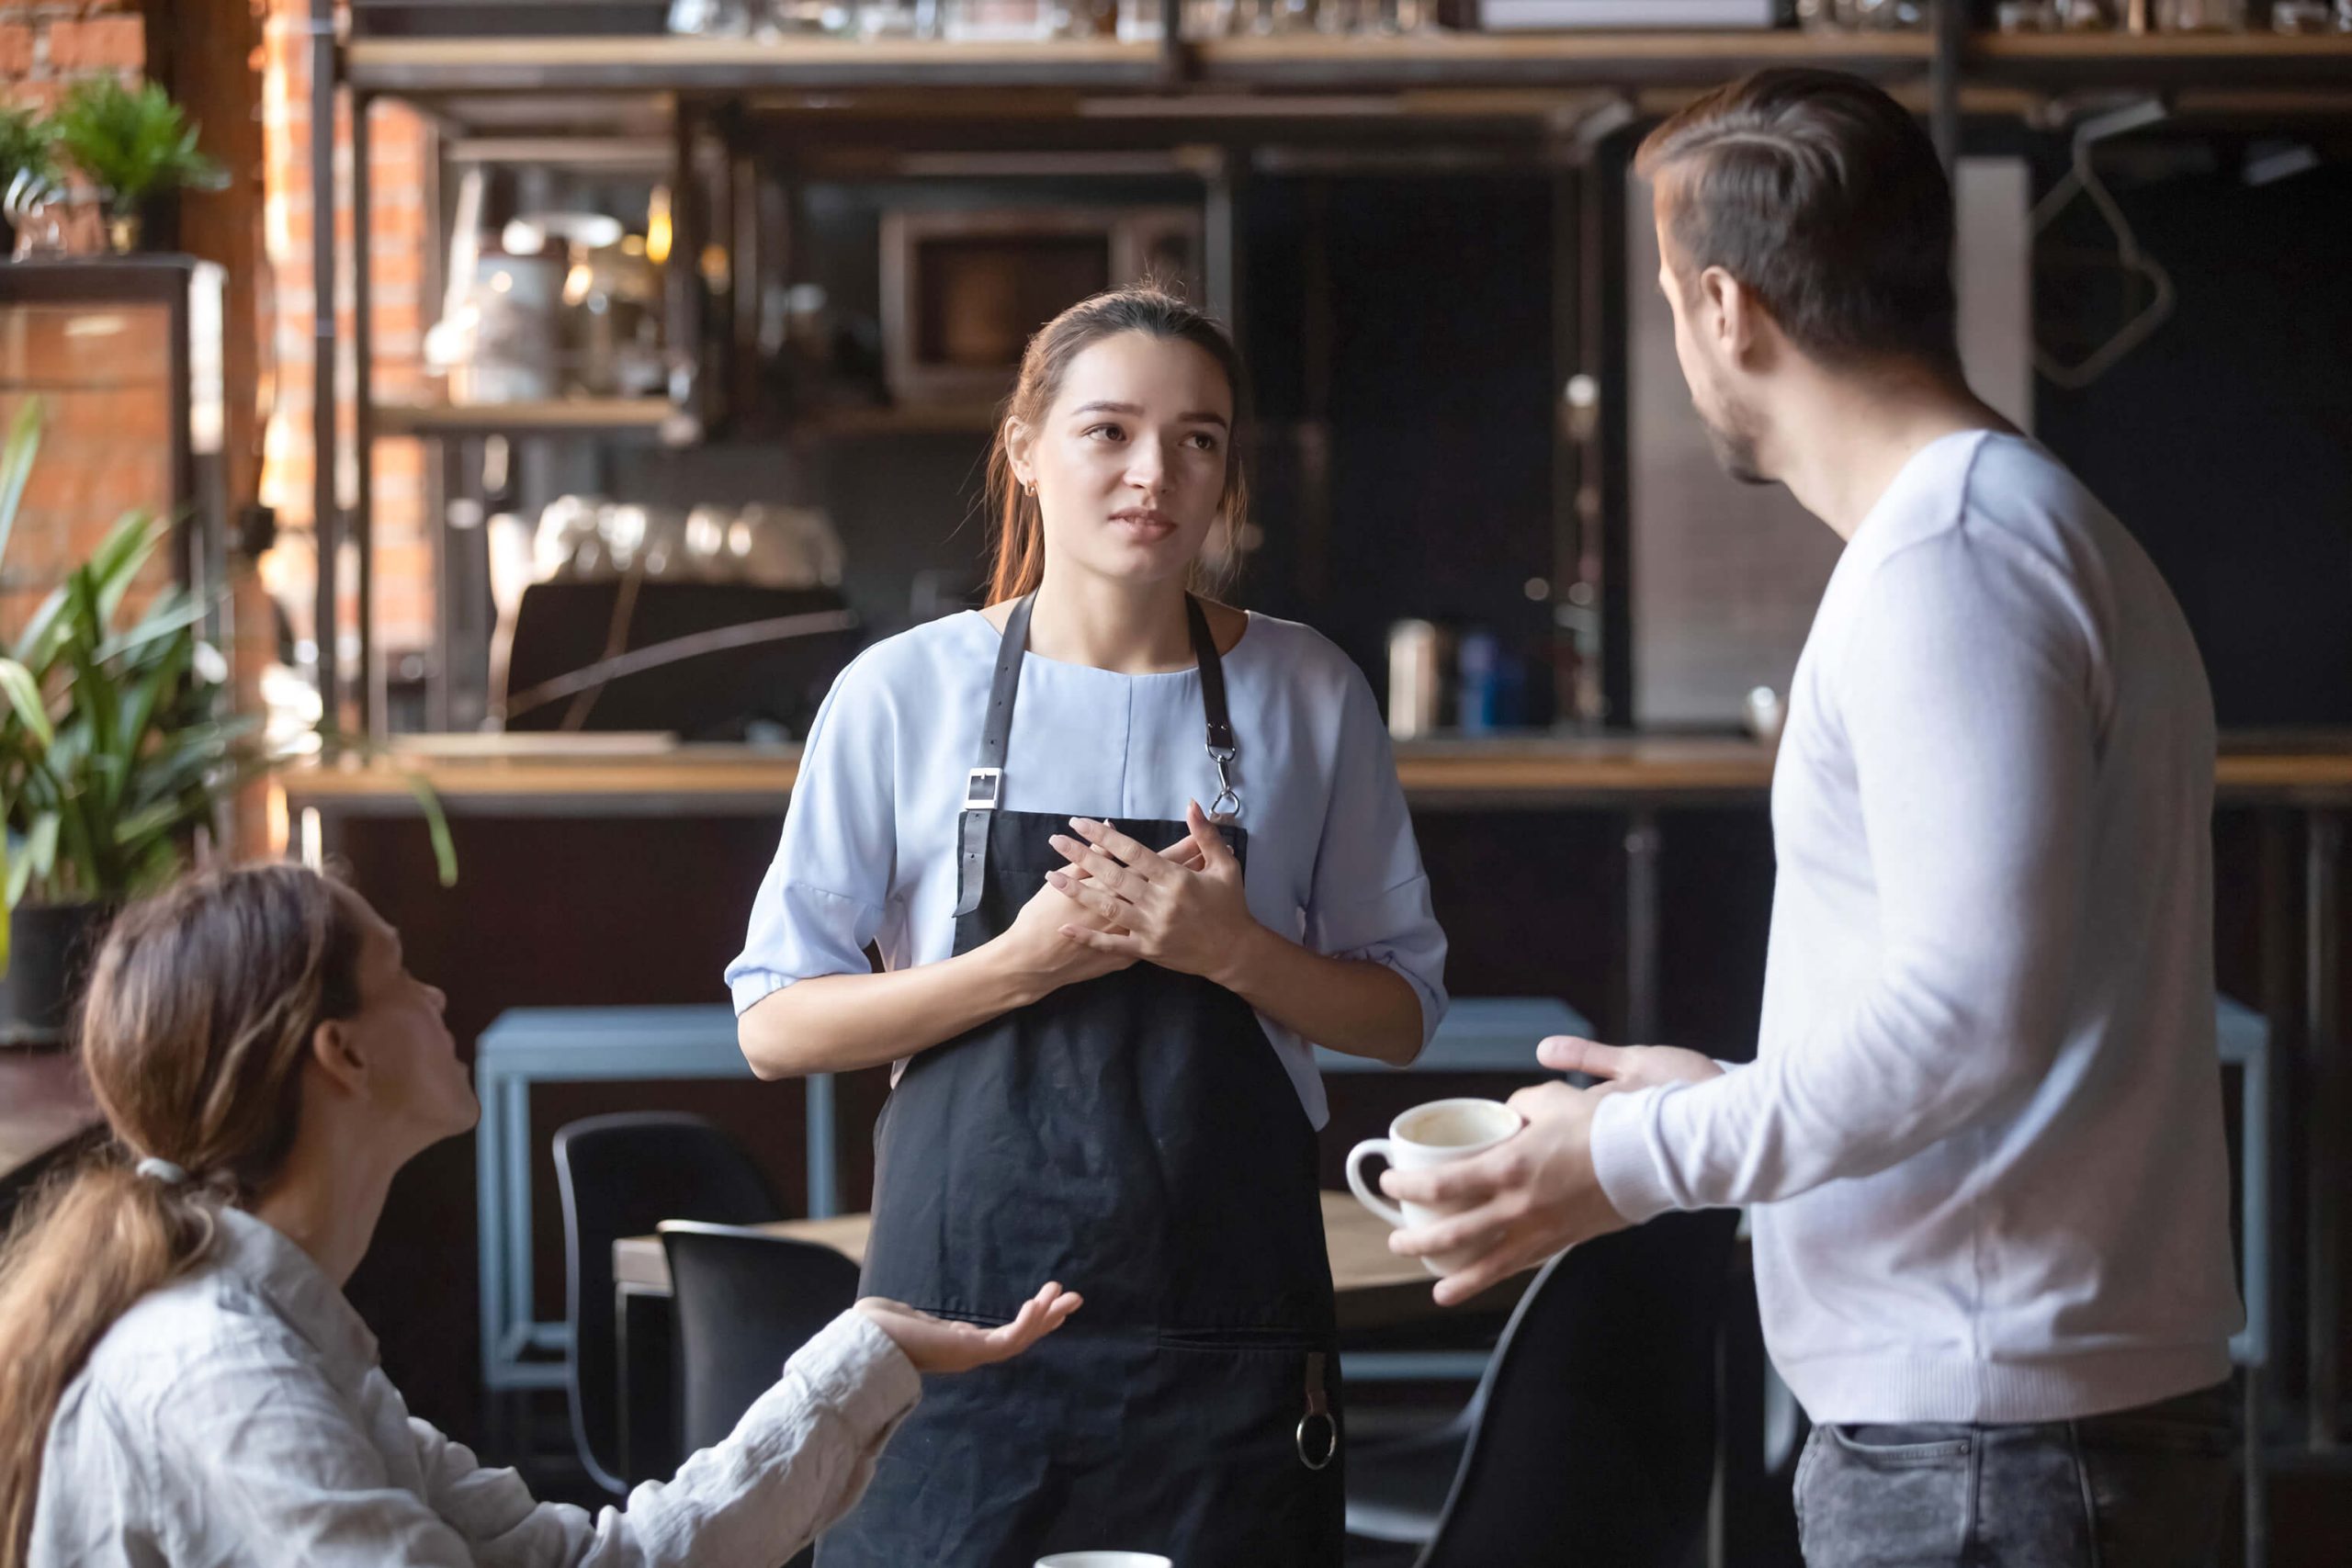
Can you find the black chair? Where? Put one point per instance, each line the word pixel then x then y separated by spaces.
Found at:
pixel 1592 1438
pixel 745 1300
pixel 622 1176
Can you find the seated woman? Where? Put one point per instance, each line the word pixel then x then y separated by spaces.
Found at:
pixel 181 1379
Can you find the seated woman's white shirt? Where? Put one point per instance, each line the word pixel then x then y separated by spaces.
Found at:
pixel 238 1416
pixel 868 851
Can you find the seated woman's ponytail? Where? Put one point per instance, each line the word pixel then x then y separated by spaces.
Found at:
pixel 200 1014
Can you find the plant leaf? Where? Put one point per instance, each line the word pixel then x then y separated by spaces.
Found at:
pixel 437 824
pixel 171 617
pixel 16 466
pixel 24 696
pixel 115 565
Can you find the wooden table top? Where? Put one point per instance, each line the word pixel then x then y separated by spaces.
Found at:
pixel 654 774
pixel 1376 1288
pixel 43 1101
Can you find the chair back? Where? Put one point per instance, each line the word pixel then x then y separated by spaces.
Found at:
pixel 745 1300
pixel 1593 1435
pixel 622 1176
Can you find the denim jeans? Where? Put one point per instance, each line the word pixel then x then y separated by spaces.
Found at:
pixel 2144 1488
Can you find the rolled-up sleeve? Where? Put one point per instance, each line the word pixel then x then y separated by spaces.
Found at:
pixel 825 893
pixel 796 1462
pixel 1370 897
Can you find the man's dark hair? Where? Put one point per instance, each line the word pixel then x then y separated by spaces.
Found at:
pixel 1823 196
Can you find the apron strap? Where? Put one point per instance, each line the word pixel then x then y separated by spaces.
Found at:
pixel 983 786
pixel 1222 751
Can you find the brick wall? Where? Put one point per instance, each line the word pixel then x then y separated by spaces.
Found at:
pixel 101 375
pixel 45 44
pixel 397 170
pixel 104 381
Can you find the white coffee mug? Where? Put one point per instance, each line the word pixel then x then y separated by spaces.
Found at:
pixel 1103 1559
pixel 1426 1136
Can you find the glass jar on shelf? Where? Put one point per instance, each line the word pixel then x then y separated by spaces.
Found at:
pixel 1891 15
pixel 1267 17
pixel 897 19
pixel 711 19
pixel 2199 15
pixel 802 18
pixel 996 21
pixel 1082 18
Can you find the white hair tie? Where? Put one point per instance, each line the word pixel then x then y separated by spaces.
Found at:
pixel 162 1170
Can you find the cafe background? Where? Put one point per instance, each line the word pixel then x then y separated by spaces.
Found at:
pixel 686 348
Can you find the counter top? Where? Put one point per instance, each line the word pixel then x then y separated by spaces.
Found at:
pixel 43 1101
pixel 608 775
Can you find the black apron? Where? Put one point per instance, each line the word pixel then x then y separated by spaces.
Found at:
pixel 1134 1137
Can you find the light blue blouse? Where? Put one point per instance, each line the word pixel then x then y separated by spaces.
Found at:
pixel 869 851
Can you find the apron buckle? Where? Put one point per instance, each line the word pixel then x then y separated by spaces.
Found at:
pixel 1227 803
pixel 983 787
pixel 1319 1451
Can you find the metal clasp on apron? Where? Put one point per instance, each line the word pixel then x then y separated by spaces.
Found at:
pixel 1322 1446
pixel 983 787
pixel 1227 803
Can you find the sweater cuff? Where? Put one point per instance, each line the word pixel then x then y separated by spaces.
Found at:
pixel 1622 1160
pixel 856 1368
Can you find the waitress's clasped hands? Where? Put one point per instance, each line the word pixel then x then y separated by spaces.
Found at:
pixel 1184 909
pixel 1038 945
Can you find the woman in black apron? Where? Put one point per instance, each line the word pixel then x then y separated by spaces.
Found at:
pixel 1089 1091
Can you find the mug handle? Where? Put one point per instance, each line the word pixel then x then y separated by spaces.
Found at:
pixel 1364 1191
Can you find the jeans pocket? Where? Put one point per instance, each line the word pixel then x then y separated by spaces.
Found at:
pixel 1885 1496
pixel 1901 1447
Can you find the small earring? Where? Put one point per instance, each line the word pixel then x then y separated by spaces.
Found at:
pixel 1033 489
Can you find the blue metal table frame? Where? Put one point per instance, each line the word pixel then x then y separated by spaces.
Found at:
pixel 525 1047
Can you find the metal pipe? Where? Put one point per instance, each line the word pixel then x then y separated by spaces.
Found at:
pixel 327 669
pixel 370 688
pixel 2323 1197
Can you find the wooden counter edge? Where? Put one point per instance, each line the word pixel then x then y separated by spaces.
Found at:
pixel 1533 773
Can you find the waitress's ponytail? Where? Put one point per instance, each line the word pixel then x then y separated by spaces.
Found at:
pixel 200 1010
pixel 1020 550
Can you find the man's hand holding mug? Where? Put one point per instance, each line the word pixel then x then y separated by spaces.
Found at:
pixel 1482 1218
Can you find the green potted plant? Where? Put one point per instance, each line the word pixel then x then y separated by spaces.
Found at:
pixel 116 743
pixel 135 145
pixel 26 148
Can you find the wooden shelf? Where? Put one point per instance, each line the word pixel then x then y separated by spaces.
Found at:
pixel 1315 62
pixel 655 418
pixel 432 66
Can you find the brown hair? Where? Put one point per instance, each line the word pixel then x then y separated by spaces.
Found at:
pixel 1823 196
pixel 1148 308
pixel 200 1014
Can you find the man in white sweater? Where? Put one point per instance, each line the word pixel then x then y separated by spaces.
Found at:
pixel 1983 1132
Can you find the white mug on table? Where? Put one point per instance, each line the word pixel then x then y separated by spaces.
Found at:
pixel 1432 1135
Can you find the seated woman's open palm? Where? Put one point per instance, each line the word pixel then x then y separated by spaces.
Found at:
pixel 940 1345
